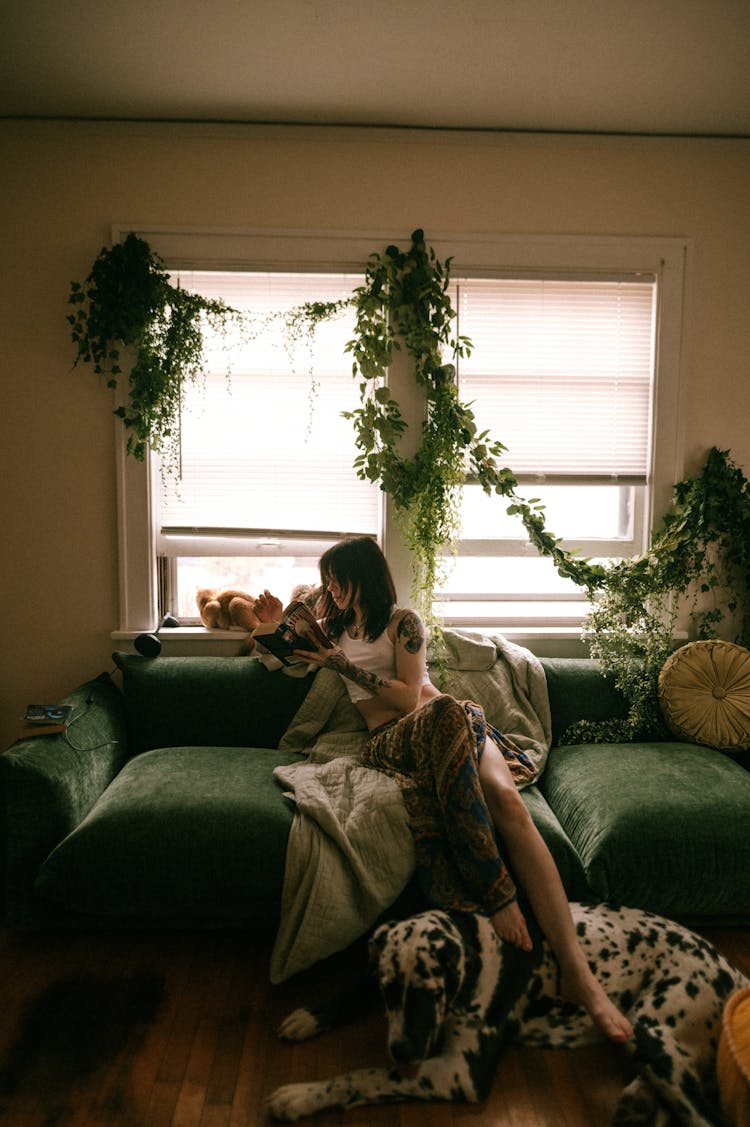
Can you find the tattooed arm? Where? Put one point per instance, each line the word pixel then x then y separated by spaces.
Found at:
pixel 397 694
pixel 371 682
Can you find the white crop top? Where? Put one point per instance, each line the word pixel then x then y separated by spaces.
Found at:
pixel 378 657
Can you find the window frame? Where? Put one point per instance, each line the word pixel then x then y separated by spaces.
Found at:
pixel 668 258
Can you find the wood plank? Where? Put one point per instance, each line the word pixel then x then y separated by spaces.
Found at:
pixel 211 1056
pixel 173 956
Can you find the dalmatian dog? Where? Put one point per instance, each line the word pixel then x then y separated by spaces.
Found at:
pixel 453 993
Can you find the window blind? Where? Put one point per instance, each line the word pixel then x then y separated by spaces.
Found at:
pixel 264 448
pixel 562 373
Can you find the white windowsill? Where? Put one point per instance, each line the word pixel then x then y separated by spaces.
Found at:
pixel 187 641
pixel 544 641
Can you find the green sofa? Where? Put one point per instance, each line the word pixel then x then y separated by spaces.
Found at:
pixel 158 806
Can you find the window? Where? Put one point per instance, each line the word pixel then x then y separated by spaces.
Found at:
pixel 562 372
pixel 266 480
pixel 590 412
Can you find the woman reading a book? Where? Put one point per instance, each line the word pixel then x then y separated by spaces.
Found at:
pixel 457 773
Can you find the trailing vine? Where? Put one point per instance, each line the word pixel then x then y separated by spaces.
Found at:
pixel 298 328
pixel 405 302
pixel 697 565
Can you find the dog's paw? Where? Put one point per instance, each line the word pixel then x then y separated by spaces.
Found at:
pixel 299 1025
pixel 291 1101
pixel 639 1107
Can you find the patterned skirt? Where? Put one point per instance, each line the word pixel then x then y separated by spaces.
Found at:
pixel 434 755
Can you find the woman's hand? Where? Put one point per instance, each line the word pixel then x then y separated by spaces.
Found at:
pixel 325 656
pixel 268 608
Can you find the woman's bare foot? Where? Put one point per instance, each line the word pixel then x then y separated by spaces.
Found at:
pixel 581 987
pixel 268 608
pixel 510 926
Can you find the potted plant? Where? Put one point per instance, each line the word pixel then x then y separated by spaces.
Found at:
pixel 696 569
pixel 127 302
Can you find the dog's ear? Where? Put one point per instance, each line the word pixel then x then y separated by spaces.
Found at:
pixel 453 962
pixel 378 940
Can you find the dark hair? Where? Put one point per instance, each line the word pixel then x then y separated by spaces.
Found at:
pixel 359 563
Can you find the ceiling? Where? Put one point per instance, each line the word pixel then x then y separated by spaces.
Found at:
pixel 618 66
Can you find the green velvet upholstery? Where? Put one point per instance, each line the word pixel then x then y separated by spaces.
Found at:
pixel 662 826
pixel 49 783
pixel 579 691
pixel 158 806
pixel 207 701
pixel 191 833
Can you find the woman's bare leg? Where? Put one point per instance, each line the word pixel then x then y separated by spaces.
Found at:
pixel 534 866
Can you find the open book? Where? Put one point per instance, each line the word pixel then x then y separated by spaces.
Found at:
pixel 297 630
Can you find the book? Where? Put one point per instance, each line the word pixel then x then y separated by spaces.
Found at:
pixel 297 630
pixel 44 714
pixel 45 720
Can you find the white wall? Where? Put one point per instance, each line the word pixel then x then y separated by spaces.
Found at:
pixel 64 184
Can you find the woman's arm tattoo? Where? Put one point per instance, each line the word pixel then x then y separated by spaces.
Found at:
pixel 362 677
pixel 411 632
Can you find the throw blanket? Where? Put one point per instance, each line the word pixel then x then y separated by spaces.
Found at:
pixel 350 851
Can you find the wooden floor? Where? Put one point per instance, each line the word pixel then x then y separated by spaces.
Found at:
pixel 208 1056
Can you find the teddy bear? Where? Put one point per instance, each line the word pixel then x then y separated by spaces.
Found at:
pixel 228 610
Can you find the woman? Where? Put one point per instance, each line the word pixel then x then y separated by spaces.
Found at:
pixel 457 773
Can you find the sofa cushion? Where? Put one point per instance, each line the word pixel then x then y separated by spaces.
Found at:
pixel 661 826
pixel 578 690
pixel 704 693
pixel 183 833
pixel 211 701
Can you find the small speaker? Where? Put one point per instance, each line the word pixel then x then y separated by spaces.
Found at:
pixel 148 645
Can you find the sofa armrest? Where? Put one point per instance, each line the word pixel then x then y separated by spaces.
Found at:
pixel 49 783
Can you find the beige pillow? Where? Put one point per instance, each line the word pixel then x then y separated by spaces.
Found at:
pixel 704 693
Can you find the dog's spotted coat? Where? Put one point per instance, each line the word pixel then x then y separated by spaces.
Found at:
pixel 449 1001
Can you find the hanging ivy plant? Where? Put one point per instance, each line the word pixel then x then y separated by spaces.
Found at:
pixel 697 567
pixel 127 302
pixel 405 303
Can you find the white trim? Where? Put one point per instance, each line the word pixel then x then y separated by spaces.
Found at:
pixel 668 459
pixel 230 248
pixel 297 248
pixel 136 539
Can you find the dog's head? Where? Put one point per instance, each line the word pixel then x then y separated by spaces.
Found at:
pixel 420 965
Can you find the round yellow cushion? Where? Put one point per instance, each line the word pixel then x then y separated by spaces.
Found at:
pixel 733 1059
pixel 704 693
